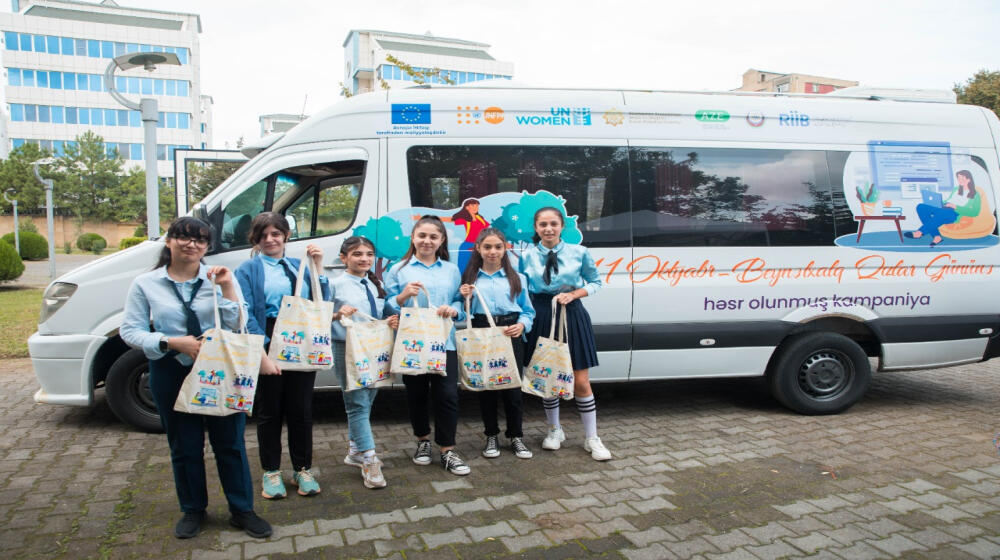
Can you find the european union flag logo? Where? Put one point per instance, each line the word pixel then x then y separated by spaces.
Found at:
pixel 411 113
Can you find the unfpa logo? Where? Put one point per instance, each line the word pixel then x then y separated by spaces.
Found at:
pixel 793 118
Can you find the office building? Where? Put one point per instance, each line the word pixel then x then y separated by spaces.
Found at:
pixel 279 122
pixel 366 67
pixel 54 55
pixel 759 80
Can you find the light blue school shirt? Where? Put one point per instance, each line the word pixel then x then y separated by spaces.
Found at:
pixel 348 290
pixel 576 269
pixel 441 279
pixel 277 285
pixel 495 289
pixel 151 295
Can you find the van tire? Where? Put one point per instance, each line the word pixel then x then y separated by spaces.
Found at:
pixel 128 394
pixel 819 373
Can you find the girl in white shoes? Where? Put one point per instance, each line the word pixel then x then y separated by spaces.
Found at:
pixel 505 292
pixel 358 288
pixel 566 273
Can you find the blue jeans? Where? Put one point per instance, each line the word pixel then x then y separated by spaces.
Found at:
pixel 932 218
pixel 186 437
pixel 357 404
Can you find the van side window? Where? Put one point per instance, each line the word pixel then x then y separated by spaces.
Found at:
pixel 592 179
pixel 318 199
pixel 731 197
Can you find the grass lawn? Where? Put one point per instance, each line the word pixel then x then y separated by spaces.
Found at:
pixel 19 309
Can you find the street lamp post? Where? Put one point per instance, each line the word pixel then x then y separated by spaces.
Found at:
pixel 17 234
pixel 149 111
pixel 47 183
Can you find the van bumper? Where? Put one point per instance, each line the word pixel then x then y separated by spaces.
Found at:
pixel 62 367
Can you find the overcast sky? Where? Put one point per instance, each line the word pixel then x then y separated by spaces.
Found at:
pixel 263 56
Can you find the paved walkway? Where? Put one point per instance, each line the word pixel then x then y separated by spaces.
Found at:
pixel 711 469
pixel 36 273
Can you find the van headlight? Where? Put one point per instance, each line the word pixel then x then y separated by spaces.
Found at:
pixel 55 297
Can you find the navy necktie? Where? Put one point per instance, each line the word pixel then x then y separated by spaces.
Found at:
pixel 193 325
pixel 551 265
pixel 287 269
pixel 371 298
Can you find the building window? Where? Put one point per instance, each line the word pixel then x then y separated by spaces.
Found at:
pixel 52 44
pixel 10 40
pixel 70 115
pixel 14 76
pixel 43 113
pixel 781 88
pixel 25 42
pixel 42 78
pixel 93 48
pixel 58 114
pixel 135 151
pixel 16 112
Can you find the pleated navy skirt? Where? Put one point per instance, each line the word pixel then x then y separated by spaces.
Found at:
pixel 582 349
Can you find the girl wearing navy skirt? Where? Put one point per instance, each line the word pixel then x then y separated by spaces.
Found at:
pixel 425 266
pixel 281 398
pixel 566 273
pixel 358 288
pixel 504 290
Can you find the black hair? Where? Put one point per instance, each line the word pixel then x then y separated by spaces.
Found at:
pixel 442 251
pixel 185 226
pixel 562 220
pixel 464 213
pixel 261 222
pixel 352 243
pixel 476 262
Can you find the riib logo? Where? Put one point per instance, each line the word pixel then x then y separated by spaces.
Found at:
pixel 411 113
pixel 793 118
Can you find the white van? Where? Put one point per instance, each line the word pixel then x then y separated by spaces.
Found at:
pixel 787 236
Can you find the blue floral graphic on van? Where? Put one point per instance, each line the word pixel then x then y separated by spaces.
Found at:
pixel 909 196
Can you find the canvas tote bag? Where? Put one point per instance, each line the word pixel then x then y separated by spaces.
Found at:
pixel 486 359
pixel 421 340
pixel 223 378
pixel 550 373
pixel 367 348
pixel 301 337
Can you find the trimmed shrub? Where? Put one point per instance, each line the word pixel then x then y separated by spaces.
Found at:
pixel 98 245
pixel 140 231
pixel 67 248
pixel 11 266
pixel 86 241
pixel 130 242
pixel 27 225
pixel 34 247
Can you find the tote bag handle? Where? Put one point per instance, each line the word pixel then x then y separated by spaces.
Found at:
pixel 347 321
pixel 563 332
pixel 416 299
pixel 486 309
pixel 218 321
pixel 317 293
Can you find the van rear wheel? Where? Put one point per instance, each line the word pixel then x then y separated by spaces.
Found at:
pixel 819 373
pixel 128 393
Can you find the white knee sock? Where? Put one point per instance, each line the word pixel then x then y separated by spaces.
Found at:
pixel 588 415
pixel 552 411
pixel 351 447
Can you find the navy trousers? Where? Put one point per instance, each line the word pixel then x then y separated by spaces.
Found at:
pixel 186 437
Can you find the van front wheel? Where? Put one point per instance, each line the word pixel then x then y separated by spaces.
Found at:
pixel 819 373
pixel 128 393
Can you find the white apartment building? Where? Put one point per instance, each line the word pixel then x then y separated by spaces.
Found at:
pixel 279 122
pixel 366 67
pixel 54 55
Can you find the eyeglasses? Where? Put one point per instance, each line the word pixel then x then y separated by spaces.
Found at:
pixel 198 241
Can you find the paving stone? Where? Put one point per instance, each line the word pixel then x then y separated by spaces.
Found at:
pixel 644 538
pixel 902 505
pixel 328 525
pixel 608 527
pixel 812 542
pixel 436 540
pixel 738 554
pixel 374 519
pixel 517 544
pixel 932 499
pixel 418 514
pixel 931 537
pixel 610 512
pixel 304 543
pixel 499 502
pixel 461 508
pixel 444 486
pixel 571 533
pixel 919 486
pixel 653 552
pixel 500 529
pixel 387 548
pixel 654 490
pixel 798 509
pixel 354 536
pixel 731 540
pixel 652 504
pixel 948 513
pixel 534 510
pixel 573 504
pixel 980 548
pixel 262 549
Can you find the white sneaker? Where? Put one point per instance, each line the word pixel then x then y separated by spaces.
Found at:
pixel 371 472
pixel 554 439
pixel 354 460
pixel 596 449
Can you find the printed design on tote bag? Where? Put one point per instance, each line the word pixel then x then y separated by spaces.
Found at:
pixel 565 377
pixel 206 397
pixel 411 358
pixel 438 356
pixel 436 364
pixel 290 354
pixel 476 380
pixel 497 363
pixel 321 338
pixel 243 381
pixel 212 377
pixel 239 402
pixel 382 360
pixel 474 366
pixel 500 379
pixel 294 337
pixel 560 391
pixel 319 358
pixel 541 371
pixel 538 384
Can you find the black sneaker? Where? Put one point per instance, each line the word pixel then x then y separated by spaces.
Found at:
pixel 492 448
pixel 520 449
pixel 453 463
pixel 253 525
pixel 189 525
pixel 422 456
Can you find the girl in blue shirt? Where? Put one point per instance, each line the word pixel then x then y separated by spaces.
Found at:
pixel 425 267
pixel 177 296
pixel 564 273
pixel 281 397
pixel 358 288
pixel 505 292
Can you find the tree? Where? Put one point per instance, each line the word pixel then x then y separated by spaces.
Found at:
pixel 16 173
pixel 203 177
pixel 982 89
pixel 418 76
pixel 89 185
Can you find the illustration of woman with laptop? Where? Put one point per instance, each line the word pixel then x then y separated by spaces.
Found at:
pixel 935 211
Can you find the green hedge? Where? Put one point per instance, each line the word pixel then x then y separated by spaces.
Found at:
pixel 11 266
pixel 88 241
pixel 130 242
pixel 34 247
